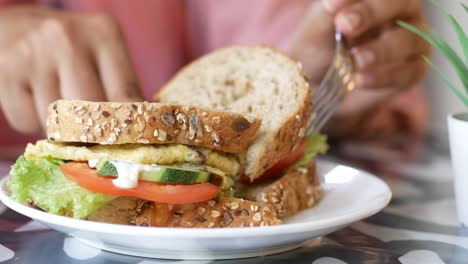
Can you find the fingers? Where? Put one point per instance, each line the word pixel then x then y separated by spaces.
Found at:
pixel 361 16
pixel 313 42
pixel 79 79
pixel 117 75
pixel 73 61
pixel 333 6
pixel 114 64
pixel 45 90
pixel 88 67
pixel 393 46
pixel 18 107
pixel 56 55
pixel 16 99
pixel 401 75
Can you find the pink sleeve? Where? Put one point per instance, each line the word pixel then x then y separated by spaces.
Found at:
pixel 14 2
pixel 214 24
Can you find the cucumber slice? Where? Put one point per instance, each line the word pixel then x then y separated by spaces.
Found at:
pixel 162 174
pixel 106 168
pixel 175 175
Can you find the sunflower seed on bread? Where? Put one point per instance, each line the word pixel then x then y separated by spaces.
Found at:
pixel 149 123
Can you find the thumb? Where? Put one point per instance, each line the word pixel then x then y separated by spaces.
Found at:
pixel 313 43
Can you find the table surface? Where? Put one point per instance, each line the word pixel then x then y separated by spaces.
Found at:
pixel 419 225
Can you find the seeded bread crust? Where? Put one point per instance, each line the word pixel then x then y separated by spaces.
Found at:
pixel 149 123
pixel 297 190
pixel 223 212
pixel 254 80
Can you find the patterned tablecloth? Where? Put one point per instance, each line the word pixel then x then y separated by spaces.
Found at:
pixel 418 227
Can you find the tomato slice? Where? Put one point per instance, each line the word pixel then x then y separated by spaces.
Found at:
pixel 285 163
pixel 87 178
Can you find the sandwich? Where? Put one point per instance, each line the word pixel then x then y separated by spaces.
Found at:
pixel 223 145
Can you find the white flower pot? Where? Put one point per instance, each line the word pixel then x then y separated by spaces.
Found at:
pixel 458 136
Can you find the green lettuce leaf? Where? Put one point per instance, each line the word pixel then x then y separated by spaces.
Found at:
pixel 42 181
pixel 314 146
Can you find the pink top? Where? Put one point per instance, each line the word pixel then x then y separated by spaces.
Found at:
pixel 164 35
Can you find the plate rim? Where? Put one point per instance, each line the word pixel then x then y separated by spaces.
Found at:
pixel 289 228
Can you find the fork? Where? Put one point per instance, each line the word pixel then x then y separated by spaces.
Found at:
pixel 337 83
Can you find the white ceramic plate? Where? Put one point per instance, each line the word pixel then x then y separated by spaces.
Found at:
pixel 350 195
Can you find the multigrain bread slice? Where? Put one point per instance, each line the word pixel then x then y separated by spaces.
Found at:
pixel 149 123
pixel 252 80
pixel 223 212
pixel 298 189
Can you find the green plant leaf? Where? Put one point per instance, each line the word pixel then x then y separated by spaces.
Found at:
pixel 460 32
pixel 447 81
pixel 445 49
pixel 461 36
pixel 455 60
pixel 465 7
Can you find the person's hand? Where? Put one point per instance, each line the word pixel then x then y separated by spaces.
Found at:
pixel 385 55
pixel 46 55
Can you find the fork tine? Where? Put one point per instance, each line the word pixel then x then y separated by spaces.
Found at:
pixel 338 87
pixel 320 101
pixel 332 90
pixel 333 106
pixel 328 76
pixel 334 84
pixel 329 104
pixel 328 107
pixel 324 86
pixel 323 104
